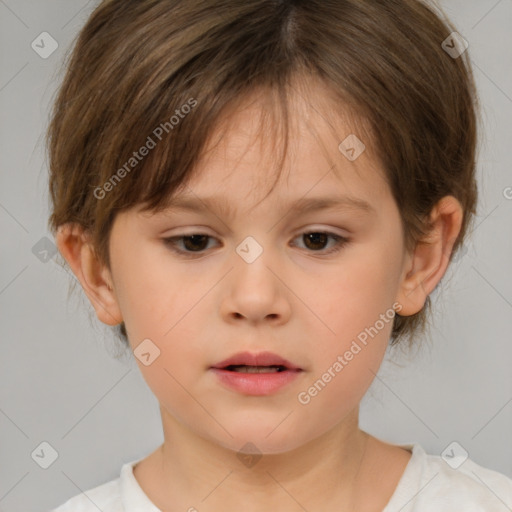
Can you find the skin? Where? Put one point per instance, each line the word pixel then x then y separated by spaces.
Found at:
pixel 293 300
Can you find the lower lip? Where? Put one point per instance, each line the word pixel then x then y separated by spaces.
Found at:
pixel 256 383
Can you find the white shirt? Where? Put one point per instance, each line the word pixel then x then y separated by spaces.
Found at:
pixel 428 484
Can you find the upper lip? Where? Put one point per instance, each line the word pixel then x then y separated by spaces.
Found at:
pixel 258 359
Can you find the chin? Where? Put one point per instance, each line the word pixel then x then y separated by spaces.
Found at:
pixel 258 442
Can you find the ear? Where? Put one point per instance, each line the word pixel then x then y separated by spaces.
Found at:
pixel 95 278
pixel 429 261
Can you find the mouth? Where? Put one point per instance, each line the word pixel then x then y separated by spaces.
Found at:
pixel 256 374
pixel 262 362
pixel 242 368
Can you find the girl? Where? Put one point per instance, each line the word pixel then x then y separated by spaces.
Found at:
pixel 261 195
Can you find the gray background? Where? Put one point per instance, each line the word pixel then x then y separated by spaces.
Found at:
pixel 60 381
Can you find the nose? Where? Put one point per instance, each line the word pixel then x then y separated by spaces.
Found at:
pixel 256 289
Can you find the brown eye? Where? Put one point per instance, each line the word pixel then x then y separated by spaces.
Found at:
pixel 195 243
pixel 315 241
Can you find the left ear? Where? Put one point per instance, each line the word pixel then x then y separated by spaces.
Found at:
pixel 429 261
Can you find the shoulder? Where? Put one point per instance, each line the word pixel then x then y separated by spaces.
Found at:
pixel 105 497
pixel 431 482
pixel 123 494
pixel 108 497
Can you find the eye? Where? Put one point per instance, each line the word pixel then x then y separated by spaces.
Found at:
pixel 314 239
pixel 197 243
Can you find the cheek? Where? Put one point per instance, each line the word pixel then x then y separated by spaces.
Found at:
pixel 161 303
pixel 346 366
pixel 167 379
pixel 177 357
pixel 357 294
pixel 356 309
pixel 151 297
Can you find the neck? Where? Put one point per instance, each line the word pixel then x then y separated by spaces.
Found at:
pixel 321 474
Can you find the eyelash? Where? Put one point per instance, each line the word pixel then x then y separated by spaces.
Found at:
pixel 171 243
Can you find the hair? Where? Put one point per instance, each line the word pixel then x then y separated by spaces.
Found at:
pixel 176 68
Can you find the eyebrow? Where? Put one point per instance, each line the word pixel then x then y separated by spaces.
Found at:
pixel 302 205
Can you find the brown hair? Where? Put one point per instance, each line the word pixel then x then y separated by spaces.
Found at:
pixel 175 67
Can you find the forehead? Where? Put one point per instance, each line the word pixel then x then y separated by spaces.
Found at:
pixel 242 158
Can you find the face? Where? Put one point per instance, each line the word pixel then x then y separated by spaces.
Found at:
pixel 316 287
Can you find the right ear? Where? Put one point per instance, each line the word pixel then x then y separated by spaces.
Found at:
pixel 95 278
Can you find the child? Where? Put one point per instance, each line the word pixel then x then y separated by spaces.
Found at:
pixel 173 126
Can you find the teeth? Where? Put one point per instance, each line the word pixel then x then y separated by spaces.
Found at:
pixel 255 369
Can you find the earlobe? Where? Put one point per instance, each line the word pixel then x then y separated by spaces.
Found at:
pixel 95 278
pixel 429 262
